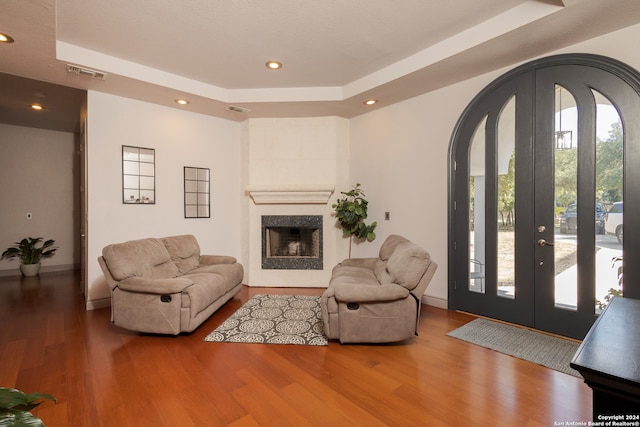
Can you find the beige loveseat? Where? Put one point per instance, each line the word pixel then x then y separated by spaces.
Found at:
pixel 165 286
pixel 377 300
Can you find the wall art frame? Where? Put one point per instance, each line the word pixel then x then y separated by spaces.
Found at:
pixel 197 192
pixel 138 175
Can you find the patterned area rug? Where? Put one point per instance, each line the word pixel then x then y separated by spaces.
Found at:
pixel 546 350
pixel 274 319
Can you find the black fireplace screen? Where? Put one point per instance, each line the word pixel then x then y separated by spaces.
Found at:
pixel 292 242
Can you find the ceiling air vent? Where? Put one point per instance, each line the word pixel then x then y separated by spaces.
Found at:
pixel 238 109
pixel 81 71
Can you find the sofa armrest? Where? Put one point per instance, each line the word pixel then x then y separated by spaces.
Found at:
pixel 369 263
pixel 107 273
pixel 155 286
pixel 348 292
pixel 216 259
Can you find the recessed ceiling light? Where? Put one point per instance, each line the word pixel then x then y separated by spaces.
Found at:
pixel 273 65
pixel 182 102
pixel 370 102
pixel 37 107
pixel 5 38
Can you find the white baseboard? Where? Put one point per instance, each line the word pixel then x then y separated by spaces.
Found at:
pixel 97 303
pixel 435 302
pixel 43 269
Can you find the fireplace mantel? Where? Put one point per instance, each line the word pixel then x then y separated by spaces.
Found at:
pixel 291 193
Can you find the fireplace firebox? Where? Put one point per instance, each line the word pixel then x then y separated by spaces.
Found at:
pixel 292 242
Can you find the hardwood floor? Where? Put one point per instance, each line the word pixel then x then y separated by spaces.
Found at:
pixel 106 376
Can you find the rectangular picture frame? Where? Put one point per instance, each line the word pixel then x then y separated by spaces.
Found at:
pixel 197 192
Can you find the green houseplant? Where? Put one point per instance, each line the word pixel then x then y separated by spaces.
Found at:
pixel 15 406
pixel 30 253
pixel 351 211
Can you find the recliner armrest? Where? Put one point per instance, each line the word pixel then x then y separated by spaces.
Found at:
pixel 107 273
pixel 347 292
pixel 216 259
pixel 155 286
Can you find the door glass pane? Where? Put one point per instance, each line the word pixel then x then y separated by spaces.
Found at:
pixel 609 206
pixel 506 150
pixel 477 174
pixel 565 196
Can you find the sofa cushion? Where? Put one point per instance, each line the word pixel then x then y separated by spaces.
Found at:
pixel 407 264
pixel 348 271
pixel 353 272
pixel 184 251
pixel 232 273
pixel 361 276
pixel 139 258
pixel 380 271
pixel 389 246
pixel 206 288
pixel 386 250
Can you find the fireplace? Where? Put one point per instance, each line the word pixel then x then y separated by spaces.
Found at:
pixel 292 242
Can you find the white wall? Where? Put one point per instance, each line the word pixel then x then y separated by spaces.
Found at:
pixel 400 155
pixel 295 152
pixel 38 174
pixel 180 139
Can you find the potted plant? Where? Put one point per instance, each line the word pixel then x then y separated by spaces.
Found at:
pixel 351 211
pixel 15 406
pixel 30 253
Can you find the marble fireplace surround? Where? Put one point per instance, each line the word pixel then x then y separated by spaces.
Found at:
pixel 292 242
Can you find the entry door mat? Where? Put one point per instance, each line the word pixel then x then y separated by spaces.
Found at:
pixel 546 350
pixel 274 319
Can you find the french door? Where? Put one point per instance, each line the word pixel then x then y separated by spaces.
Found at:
pixel 537 159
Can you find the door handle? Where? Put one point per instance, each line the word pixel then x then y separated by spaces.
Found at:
pixel 542 242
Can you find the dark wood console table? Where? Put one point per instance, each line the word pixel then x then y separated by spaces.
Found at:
pixel 609 360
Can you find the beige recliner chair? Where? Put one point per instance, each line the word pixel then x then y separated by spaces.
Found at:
pixel 377 300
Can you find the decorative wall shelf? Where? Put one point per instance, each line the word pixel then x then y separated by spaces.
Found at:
pixel 291 193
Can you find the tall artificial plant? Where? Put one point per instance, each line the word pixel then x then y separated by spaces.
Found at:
pixel 351 211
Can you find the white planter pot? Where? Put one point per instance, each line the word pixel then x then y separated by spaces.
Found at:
pixel 30 269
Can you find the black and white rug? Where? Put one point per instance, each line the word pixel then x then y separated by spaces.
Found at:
pixel 274 319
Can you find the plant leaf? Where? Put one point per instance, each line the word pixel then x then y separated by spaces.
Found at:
pixel 35 396
pixel 351 211
pixel 20 419
pixel 11 397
